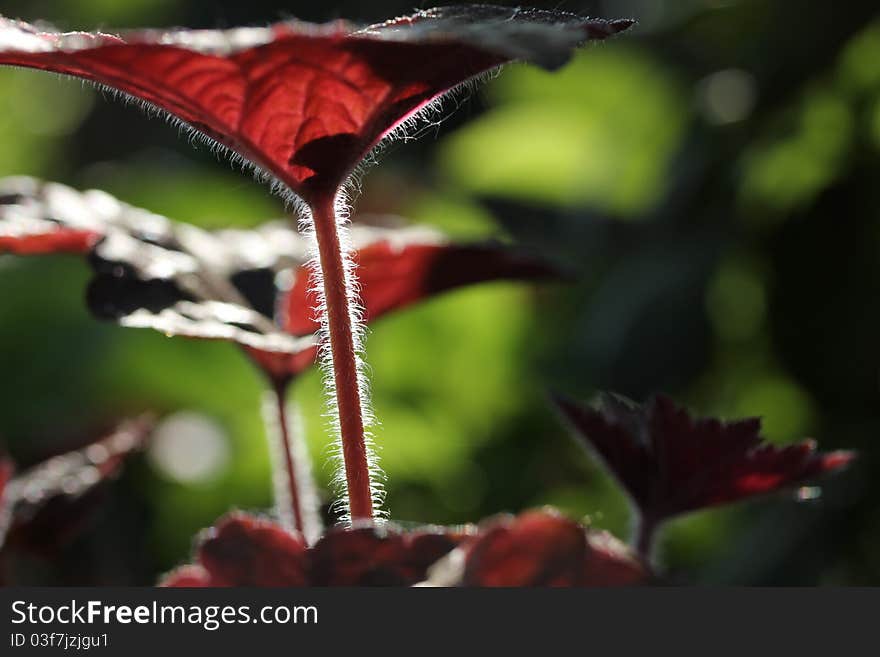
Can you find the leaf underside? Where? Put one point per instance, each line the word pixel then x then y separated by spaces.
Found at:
pixel 305 102
pixel 537 548
pixel 251 287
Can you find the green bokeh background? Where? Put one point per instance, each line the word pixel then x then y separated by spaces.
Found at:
pixel 711 179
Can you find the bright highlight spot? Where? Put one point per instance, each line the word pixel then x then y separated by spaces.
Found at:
pixel 189 447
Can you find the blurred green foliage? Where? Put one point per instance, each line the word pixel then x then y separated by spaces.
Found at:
pixel 572 138
pixel 742 155
pixel 35 112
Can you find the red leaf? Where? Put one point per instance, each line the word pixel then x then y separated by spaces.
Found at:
pixel 305 102
pixel 670 463
pixel 25 230
pixel 242 550
pixel 181 280
pixel 376 556
pixel 610 562
pixel 534 549
pixel 282 367
pixel 191 576
pixel 543 548
pixel 394 274
pixel 57 241
pixel 537 548
pixel 173 277
pixel 55 498
pixel 424 548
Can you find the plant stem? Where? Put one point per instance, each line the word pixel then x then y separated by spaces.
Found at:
pixel 341 336
pixel 279 391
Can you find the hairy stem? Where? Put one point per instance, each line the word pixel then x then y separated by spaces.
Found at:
pixel 343 352
pixel 292 487
pixel 296 499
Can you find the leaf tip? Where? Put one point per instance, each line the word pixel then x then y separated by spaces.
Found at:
pixel 621 25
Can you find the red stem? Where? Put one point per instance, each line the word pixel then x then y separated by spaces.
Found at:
pixel 345 370
pixel 280 390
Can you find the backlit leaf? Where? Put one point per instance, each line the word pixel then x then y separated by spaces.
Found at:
pixel 671 463
pixel 48 503
pixel 306 102
pixel 251 287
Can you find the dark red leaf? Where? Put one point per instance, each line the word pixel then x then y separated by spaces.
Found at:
pixel 424 548
pixel 242 550
pixel 539 548
pixel 282 367
pixel 191 576
pixel 671 463
pixel 247 286
pixel 56 498
pixel 173 277
pixel 610 562
pixel 303 101
pixel 533 549
pixel 394 274
pixel 376 556
pixel 351 557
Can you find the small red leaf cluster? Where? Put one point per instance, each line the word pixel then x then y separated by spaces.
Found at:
pixel 668 462
pixel 245 550
pixel 671 463
pixel 537 548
